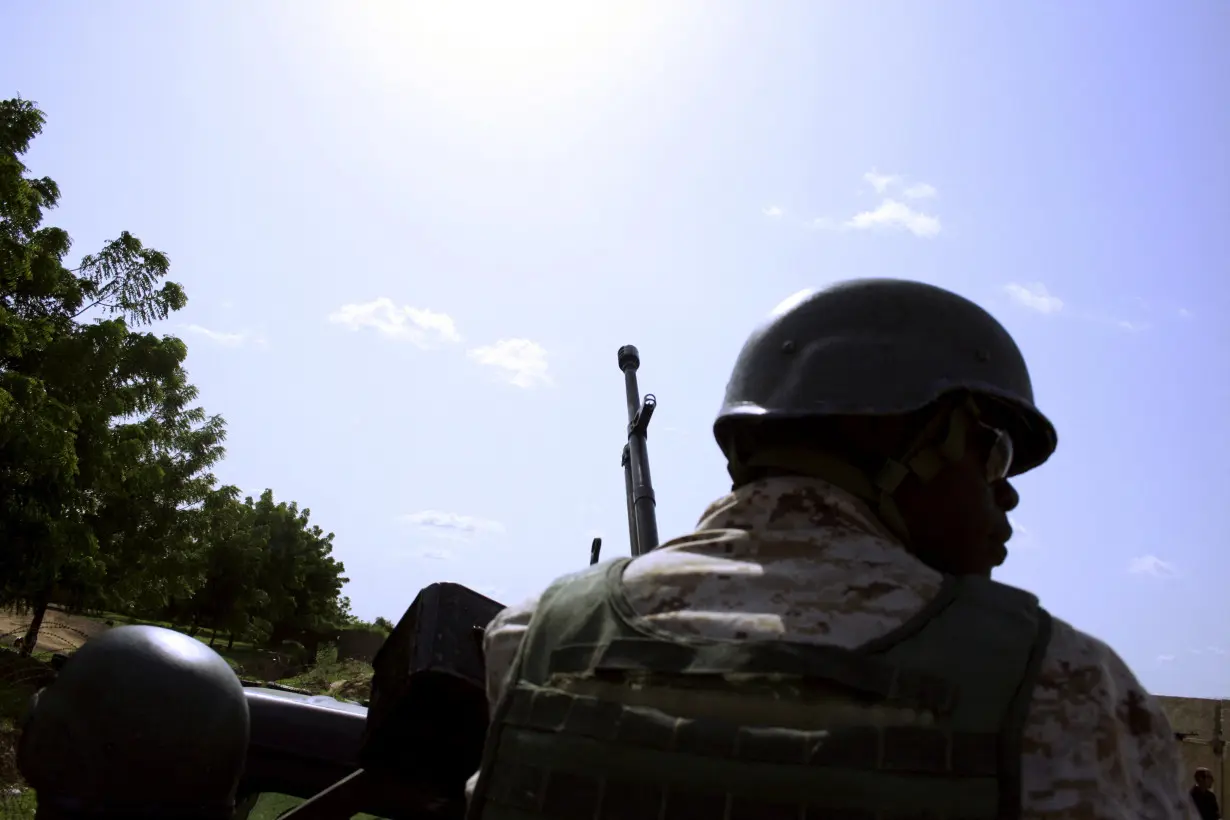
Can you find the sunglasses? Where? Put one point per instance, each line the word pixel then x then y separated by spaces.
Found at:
pixel 999 451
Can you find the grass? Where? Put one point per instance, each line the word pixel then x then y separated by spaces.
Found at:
pixel 17 804
pixel 271 806
pixel 344 680
pixel 347 680
pixel 16 800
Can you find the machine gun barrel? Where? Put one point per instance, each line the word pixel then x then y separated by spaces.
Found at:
pixel 638 484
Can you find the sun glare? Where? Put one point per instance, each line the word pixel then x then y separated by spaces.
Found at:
pixel 466 48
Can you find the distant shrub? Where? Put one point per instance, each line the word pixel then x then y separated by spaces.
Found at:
pixel 380 626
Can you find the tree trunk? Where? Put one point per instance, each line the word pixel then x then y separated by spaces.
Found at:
pixel 230 642
pixel 39 609
pixel 213 636
pixel 279 634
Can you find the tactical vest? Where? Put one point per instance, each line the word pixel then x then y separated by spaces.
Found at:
pixel 605 716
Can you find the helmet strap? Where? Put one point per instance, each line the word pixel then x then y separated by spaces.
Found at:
pixel 924 457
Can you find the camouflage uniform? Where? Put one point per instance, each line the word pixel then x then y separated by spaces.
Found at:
pixel 800 559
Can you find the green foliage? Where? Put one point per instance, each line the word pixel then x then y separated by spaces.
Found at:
pixel 381 626
pixel 268 571
pixel 345 680
pixel 107 495
pixel 272 805
pixel 93 414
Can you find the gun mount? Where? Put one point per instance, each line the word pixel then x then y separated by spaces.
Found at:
pixel 638 483
pixel 422 735
pixel 642 505
pixel 300 744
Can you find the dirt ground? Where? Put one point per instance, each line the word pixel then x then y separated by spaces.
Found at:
pixel 60 632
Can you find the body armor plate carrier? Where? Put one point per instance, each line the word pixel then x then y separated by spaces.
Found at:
pixel 605 716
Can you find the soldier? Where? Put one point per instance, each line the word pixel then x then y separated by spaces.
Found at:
pixel 141 722
pixel 828 642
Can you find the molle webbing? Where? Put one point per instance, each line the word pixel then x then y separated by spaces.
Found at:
pixel 781 662
pixel 570 757
pixel 606 717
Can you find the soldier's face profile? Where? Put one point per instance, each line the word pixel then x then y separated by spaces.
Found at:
pixel 958 521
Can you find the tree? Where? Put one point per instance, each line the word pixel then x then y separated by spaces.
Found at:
pixel 96 436
pixel 228 597
pixel 303 582
pixel 267 565
pixel 106 486
pixel 37 297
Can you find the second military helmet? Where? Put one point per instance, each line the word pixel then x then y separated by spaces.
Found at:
pixel 883 347
pixel 140 722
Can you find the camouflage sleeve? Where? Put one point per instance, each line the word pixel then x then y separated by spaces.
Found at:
pixel 1097 745
pixel 501 642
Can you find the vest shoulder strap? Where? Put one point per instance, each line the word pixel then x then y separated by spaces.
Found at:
pixel 576 609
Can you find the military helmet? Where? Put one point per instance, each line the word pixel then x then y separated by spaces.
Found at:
pixel 141 722
pixel 883 347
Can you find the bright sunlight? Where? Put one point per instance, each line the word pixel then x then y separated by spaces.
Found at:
pixel 493 53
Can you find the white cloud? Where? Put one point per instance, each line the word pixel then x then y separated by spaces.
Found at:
pixel 1023 539
pixel 773 212
pixel 520 362
pixel 436 554
pixel 1215 650
pixel 1022 536
pixel 1165 658
pixel 1152 565
pixel 1035 297
pixel 452 524
pixel 881 182
pixel 895 215
pixel 224 339
pixel 421 327
pixel 1131 327
pixel 920 190
pixel 1184 313
pixel 891 213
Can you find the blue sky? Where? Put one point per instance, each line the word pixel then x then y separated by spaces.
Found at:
pixel 528 192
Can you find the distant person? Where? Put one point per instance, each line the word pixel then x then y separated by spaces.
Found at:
pixel 141 722
pixel 1203 797
pixel 829 642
